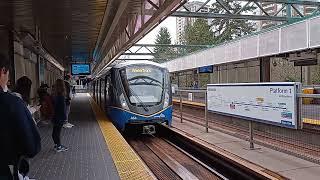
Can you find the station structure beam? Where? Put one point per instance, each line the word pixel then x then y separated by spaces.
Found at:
pixel 229 13
pixel 148 50
pixel 124 23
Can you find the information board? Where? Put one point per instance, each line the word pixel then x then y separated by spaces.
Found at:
pixel 80 69
pixel 272 103
pixel 206 69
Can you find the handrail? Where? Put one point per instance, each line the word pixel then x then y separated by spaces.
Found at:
pixel 301 95
pixel 191 90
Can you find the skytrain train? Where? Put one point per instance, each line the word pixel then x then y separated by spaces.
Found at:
pixel 135 93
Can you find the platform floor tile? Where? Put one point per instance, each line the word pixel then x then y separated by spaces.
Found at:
pixel 88 156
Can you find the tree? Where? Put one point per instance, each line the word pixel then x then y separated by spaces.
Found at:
pixel 198 33
pixel 163 37
pixel 228 29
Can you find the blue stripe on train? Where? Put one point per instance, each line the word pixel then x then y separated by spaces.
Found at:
pixel 120 117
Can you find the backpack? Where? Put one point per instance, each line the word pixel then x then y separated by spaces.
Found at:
pixel 47 108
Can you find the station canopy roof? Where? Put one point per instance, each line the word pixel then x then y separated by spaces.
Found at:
pixel 89 30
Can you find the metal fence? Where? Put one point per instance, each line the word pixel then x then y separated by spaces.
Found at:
pixel 190 105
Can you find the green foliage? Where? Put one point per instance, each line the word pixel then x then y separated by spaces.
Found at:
pixel 163 37
pixel 218 30
pixel 290 79
pixel 228 29
pixel 316 77
pixel 199 33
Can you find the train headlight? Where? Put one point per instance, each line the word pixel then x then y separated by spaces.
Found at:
pixel 123 102
pixel 166 100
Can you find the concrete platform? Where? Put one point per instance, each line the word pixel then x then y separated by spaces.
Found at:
pixel 284 164
pixel 88 156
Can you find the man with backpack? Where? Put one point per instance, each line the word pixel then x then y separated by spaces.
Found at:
pixel 19 135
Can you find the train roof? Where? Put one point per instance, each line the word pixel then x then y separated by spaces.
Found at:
pixel 128 63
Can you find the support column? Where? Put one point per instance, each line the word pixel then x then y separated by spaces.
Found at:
pixel 265 69
pixel 307 75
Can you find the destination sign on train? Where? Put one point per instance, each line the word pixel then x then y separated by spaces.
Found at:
pixel 140 70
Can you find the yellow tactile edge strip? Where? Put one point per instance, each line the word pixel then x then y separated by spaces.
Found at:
pixel 189 102
pixel 305 120
pixel 128 163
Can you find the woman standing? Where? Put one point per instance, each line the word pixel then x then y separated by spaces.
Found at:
pixel 59 114
pixel 22 90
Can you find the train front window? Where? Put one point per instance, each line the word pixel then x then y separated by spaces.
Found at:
pixel 143 84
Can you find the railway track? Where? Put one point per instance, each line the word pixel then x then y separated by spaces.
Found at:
pixel 170 155
pixel 265 138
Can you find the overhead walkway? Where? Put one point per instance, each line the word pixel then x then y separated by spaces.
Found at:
pixel 90 155
pixel 283 39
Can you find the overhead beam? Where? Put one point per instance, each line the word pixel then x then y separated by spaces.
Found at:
pixel 164 10
pixel 299 2
pixel 144 59
pixel 138 54
pixel 227 16
pixel 171 45
pixel 121 9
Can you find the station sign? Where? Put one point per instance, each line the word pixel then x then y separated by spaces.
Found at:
pixel 271 103
pixel 80 69
pixel 206 69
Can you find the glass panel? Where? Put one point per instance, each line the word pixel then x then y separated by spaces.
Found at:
pixel 143 84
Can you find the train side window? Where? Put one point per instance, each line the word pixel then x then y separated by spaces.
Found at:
pixel 108 89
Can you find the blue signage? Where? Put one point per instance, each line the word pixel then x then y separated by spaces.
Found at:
pixel 206 69
pixel 80 69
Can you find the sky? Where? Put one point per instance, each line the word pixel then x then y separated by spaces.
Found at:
pixel 170 23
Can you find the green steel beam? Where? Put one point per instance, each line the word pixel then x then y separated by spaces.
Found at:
pixel 138 54
pixel 171 45
pixel 226 16
pixel 143 59
pixel 291 2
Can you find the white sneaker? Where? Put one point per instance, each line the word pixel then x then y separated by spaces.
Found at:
pixel 68 125
pixel 61 148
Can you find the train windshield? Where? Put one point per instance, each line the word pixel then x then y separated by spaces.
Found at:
pixel 143 84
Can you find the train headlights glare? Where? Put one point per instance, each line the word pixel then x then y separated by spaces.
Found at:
pixel 123 102
pixel 166 100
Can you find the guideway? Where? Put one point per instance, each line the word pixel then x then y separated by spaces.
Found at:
pixel 171 154
pixel 88 156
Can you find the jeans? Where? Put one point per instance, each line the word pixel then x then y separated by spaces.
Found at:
pixel 67 113
pixel 56 134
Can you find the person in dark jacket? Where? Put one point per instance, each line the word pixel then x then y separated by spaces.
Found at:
pixel 60 115
pixel 19 135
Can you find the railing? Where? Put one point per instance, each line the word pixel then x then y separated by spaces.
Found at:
pixel 199 91
pixel 309 110
pixel 191 105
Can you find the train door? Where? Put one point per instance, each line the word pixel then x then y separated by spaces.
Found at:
pixel 94 89
pixel 102 88
pixel 107 94
pixel 99 95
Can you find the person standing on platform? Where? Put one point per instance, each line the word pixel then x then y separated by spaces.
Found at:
pixel 59 116
pixel 19 136
pixel 22 90
pixel 46 109
pixel 66 123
